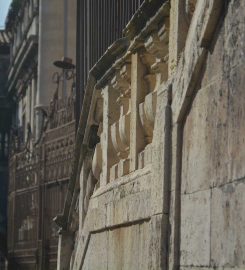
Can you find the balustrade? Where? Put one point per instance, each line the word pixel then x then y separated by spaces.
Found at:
pixel 61 112
pixel 129 98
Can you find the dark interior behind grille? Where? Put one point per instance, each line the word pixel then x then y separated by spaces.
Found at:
pixel 101 22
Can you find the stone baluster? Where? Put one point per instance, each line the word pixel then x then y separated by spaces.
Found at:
pixel 97 162
pixel 120 130
pixel 110 116
pixel 147 111
pixel 97 119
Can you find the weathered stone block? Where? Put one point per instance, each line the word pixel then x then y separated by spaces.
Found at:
pixel 206 150
pixel 195 229
pixel 97 248
pixel 155 251
pixel 123 247
pixel 144 245
pixel 228 225
pixel 236 125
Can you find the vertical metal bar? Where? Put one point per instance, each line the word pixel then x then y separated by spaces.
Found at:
pixel 103 23
pixel 79 61
pixel 118 21
pixel 107 20
pixel 86 43
pixel 91 34
pixel 88 36
pixel 96 30
pixel 99 28
pixel 103 26
pixel 84 63
pixel 113 21
pixel 65 26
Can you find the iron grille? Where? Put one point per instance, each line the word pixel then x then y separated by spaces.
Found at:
pixel 102 22
pixel 25 222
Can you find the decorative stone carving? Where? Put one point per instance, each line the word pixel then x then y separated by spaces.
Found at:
pixel 157 46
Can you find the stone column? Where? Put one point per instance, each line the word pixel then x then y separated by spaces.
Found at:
pixel 178 31
pixel 81 197
pixel 33 103
pixel 175 208
pixel 65 248
pixel 110 114
pixel 28 103
pixel 137 142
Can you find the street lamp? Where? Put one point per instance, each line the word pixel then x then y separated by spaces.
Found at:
pixel 67 73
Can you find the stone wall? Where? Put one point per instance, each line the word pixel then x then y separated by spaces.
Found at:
pixel 212 184
pixel 165 189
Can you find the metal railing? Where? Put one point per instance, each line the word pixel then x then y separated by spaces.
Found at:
pixel 102 23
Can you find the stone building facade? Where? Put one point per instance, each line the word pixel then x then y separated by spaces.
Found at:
pixel 158 177
pixel 42 132
pixel 4 131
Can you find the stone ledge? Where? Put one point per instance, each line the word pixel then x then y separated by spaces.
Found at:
pixel 123 181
